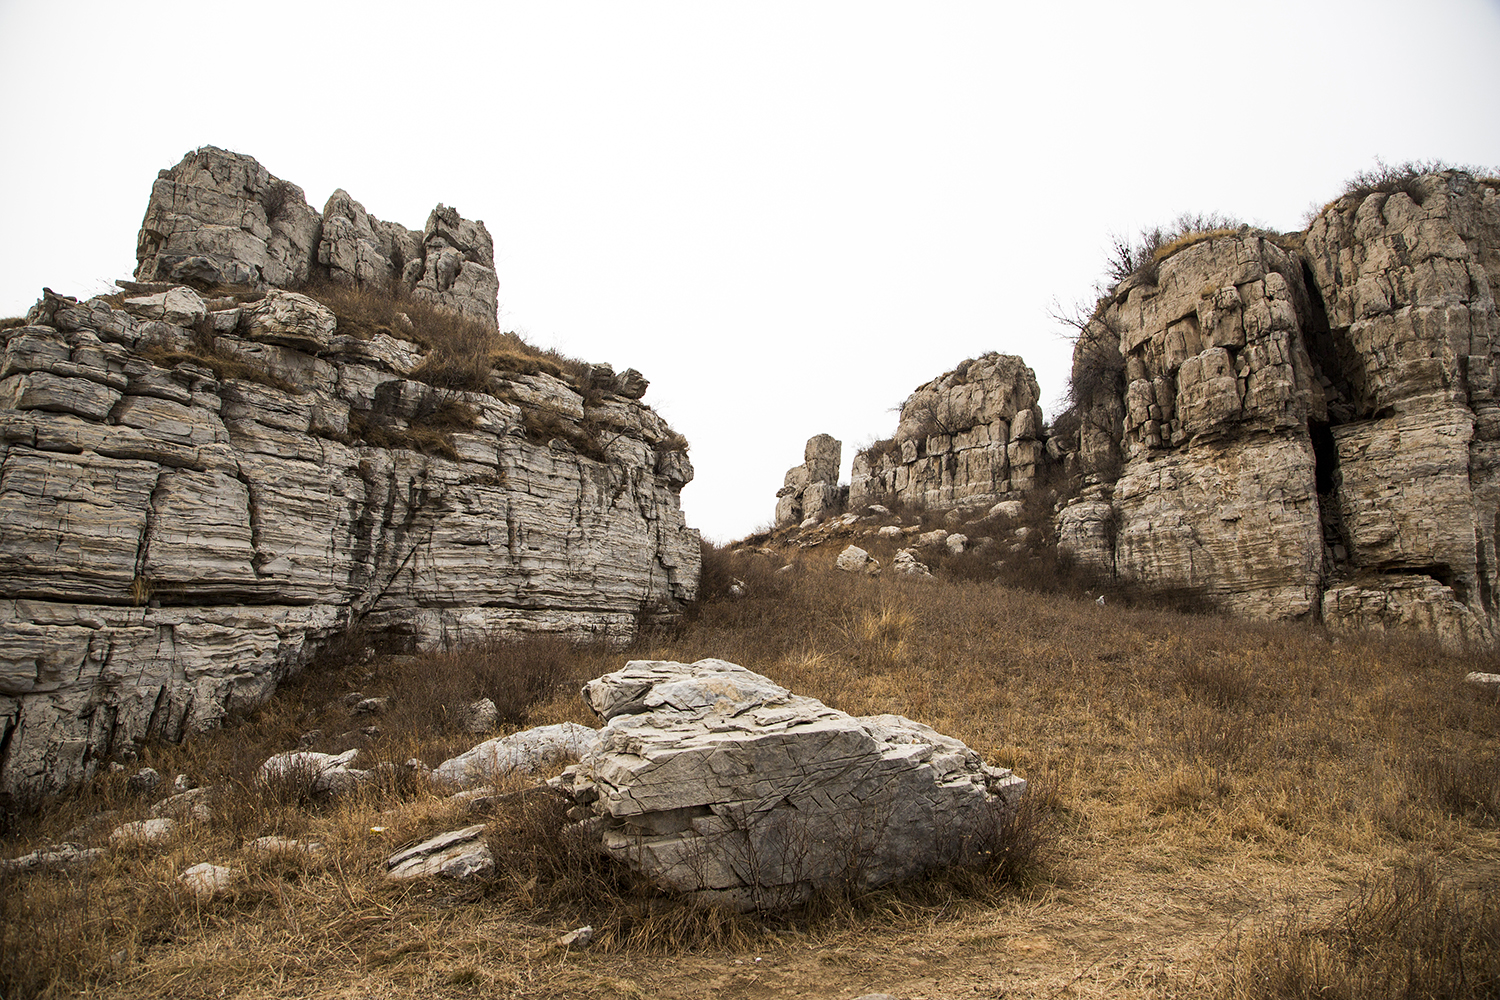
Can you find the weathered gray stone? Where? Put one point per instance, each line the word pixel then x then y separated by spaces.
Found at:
pixel 144 831
pixel 458 854
pixel 853 560
pixel 321 773
pixel 716 781
pixel 205 880
pixel 969 435
pixel 525 752
pixel 812 487
pixel 172 544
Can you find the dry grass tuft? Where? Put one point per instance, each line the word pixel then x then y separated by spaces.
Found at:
pixel 462 352
pixel 1405 935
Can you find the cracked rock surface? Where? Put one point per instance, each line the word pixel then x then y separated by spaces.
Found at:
pixel 174 543
pixel 716 781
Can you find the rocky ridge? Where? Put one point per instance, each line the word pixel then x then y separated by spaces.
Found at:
pixel 1295 426
pixel 198 489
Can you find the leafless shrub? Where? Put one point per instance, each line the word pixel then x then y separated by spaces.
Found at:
pixel 1406 935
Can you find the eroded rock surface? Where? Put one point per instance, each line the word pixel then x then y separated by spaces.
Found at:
pixel 174 542
pixel 716 781
pixel 812 487
pixel 967 437
pixel 1308 426
pixel 221 218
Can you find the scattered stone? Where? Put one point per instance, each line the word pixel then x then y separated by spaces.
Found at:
pixel 956 543
pixel 62 856
pixel 527 751
pixel 479 716
pixel 194 805
pixel 324 774
pixel 905 563
pixel 853 560
pixel 932 538
pixel 285 845
pixel 1483 680
pixel 207 880
pixel 371 706
pixel 716 781
pixel 183 783
pixel 459 854
pixel 577 938
pixel 143 782
pixel 144 831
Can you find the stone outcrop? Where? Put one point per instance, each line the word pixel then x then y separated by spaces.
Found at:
pixel 812 487
pixel 966 438
pixel 1308 426
pixel 716 781
pixel 220 218
pixel 186 513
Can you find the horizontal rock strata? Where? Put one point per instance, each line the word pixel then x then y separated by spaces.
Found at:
pixel 716 781
pixel 194 493
pixel 1308 427
pixel 967 437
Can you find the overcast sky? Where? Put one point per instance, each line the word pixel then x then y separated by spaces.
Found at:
pixel 787 215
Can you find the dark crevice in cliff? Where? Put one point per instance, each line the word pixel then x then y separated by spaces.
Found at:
pixel 1336 364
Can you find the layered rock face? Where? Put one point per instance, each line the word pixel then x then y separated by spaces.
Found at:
pixel 716 781
pixel 812 487
pixel 967 437
pixel 222 218
pixel 1307 429
pixel 173 542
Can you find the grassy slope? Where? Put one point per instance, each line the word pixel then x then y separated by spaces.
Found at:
pixel 1219 787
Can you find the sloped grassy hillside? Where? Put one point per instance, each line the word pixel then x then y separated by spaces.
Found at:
pixel 1221 808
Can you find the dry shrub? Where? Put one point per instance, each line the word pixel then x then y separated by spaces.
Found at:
pixel 462 351
pixel 429 431
pixel 204 351
pixel 544 426
pixel 1406 935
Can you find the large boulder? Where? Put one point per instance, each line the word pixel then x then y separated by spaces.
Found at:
pixel 716 781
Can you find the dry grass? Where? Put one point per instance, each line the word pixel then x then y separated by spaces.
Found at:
pixel 1222 795
pixel 462 352
pixel 203 350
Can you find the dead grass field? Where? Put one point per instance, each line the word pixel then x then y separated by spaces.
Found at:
pixel 1232 809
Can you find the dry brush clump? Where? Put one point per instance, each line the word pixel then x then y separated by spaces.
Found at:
pixel 462 352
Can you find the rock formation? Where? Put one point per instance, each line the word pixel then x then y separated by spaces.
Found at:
pixel 222 218
pixel 1308 425
pixel 812 487
pixel 195 493
pixel 1298 426
pixel 715 781
pixel 966 437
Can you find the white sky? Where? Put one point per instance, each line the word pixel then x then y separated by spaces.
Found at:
pixel 787 215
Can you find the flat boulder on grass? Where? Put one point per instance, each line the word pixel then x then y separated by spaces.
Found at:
pixel 526 752
pixel 715 781
pixel 460 854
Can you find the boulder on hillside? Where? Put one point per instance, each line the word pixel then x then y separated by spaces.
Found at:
pixel 716 781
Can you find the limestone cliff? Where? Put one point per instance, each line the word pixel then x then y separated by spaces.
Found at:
pixel 1299 426
pixel 194 492
pixel 968 436
pixel 1309 424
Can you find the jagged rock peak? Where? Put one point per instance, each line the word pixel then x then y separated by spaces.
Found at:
pixel 1306 426
pixel 220 218
pixel 196 492
pixel 968 436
